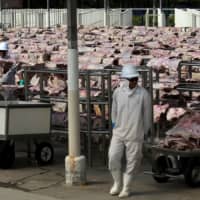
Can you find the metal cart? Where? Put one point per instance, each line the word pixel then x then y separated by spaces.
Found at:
pixel 188 73
pixel 167 163
pixel 25 121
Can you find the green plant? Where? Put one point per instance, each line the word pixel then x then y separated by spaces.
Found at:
pixel 171 20
pixel 138 20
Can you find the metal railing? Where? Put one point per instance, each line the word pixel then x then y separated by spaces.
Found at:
pixel 92 17
pixel 43 18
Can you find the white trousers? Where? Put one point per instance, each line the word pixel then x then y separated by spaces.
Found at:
pixel 130 150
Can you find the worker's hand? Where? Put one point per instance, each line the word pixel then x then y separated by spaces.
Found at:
pixel 113 125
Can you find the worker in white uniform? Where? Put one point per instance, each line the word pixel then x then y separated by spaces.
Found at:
pixel 9 68
pixel 131 117
pixel 4 50
pixel 8 77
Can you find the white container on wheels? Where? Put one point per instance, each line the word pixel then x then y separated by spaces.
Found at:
pixel 28 121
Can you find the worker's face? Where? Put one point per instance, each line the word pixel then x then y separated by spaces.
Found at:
pixel 132 82
pixel 3 53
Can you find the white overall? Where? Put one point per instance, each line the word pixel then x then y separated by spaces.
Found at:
pixel 131 113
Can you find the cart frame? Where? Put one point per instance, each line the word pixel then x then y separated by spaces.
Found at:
pixel 44 152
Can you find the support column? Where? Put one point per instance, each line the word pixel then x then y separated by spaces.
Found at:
pixel 48 13
pixel 160 4
pixel 194 21
pixel 147 18
pixel 161 18
pixel 75 164
pixel 154 13
pixel 106 13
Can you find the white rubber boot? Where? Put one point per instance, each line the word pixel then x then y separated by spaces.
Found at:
pixel 117 177
pixel 126 191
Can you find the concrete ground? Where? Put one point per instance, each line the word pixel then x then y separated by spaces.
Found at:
pixel 27 181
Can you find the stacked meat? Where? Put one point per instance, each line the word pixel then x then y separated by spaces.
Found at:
pixel 104 48
pixel 185 135
pixel 159 110
pixel 163 47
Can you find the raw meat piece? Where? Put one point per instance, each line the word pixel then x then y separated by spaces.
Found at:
pixel 35 80
pixel 159 110
pixel 97 110
pixel 83 93
pixel 55 85
pixel 59 107
pixel 174 113
pixel 59 119
pixel 97 123
pixel 153 45
pixel 188 126
pixel 83 122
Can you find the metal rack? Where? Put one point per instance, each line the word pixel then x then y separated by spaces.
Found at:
pixel 104 100
pixel 184 71
pixel 184 86
pixel 169 163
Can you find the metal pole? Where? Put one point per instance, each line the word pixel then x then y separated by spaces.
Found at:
pixel 154 13
pixel 161 16
pixel 147 18
pixel 75 165
pixel 2 14
pixel 160 4
pixel 48 12
pixel 28 4
pixel 152 137
pixel 1 11
pixel 106 13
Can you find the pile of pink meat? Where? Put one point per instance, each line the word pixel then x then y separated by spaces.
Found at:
pixel 100 48
pixel 185 135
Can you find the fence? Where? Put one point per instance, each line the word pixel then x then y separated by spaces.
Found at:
pixel 48 18
pixel 91 17
pixel 96 17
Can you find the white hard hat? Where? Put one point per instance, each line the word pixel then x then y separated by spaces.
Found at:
pixel 3 46
pixel 129 71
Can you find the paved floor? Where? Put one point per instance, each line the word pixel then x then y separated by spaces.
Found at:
pixel 27 181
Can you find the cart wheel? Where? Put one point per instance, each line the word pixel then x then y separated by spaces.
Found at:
pixel 7 154
pixel 159 168
pixel 192 174
pixel 44 153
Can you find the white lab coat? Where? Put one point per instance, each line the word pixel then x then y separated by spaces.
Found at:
pixel 131 113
